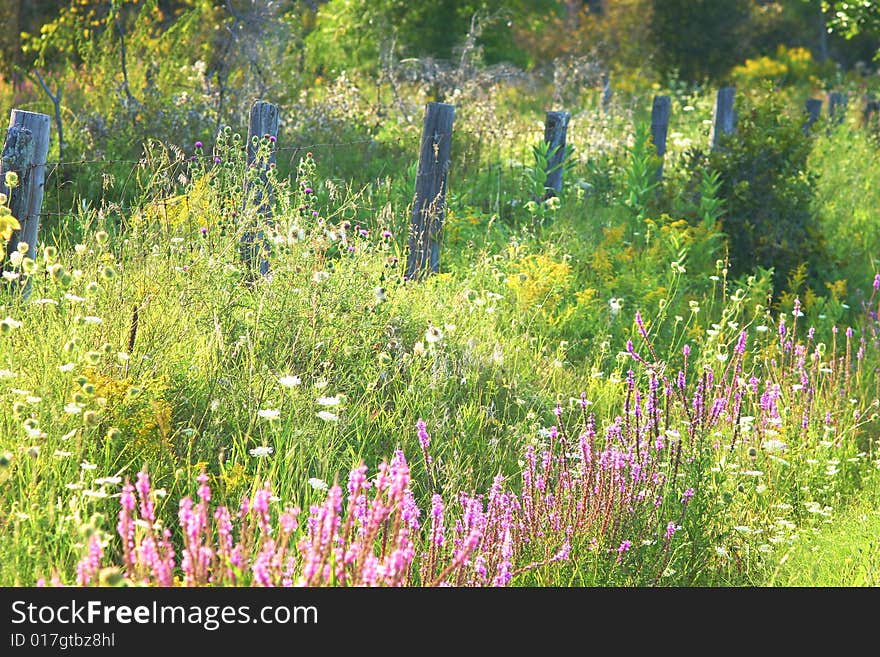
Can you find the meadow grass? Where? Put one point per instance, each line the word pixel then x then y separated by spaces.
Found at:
pixel 604 404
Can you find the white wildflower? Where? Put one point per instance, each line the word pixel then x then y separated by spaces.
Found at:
pixel 290 381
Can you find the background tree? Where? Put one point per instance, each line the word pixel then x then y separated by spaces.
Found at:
pixel 699 38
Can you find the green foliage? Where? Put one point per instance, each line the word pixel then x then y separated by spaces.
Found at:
pixel 852 18
pixel 847 195
pixel 641 172
pixel 768 191
pixel 152 345
pixel 711 205
pixel 351 35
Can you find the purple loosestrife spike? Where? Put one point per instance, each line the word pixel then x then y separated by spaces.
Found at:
pixel 410 511
pixel 641 324
pixel 877 281
pixel 260 508
pixel 143 489
pixel 424 441
pixel 263 564
pixel 88 568
pixel 686 350
pixel 288 520
pixel 125 527
pixel 671 528
pixel 564 552
pixel 688 494
pixel 741 344
pixel 849 331
pixel 204 490
pixel 438 530
pixel 505 566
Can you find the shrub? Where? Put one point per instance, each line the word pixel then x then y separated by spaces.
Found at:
pixel 769 219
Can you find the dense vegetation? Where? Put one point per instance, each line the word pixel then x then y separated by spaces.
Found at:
pixel 632 382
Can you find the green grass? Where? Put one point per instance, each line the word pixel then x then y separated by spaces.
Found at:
pixel 153 348
pixel 845 552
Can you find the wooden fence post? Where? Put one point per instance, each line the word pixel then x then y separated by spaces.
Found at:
pixel 555 129
pixel 606 91
pixel 724 117
pixel 660 112
pixel 262 132
pixel 872 107
pixel 429 204
pixel 24 152
pixel 837 106
pixel 813 110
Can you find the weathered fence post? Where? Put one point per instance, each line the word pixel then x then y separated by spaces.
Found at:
pixel 606 91
pixel 872 107
pixel 660 112
pixel 262 133
pixel 555 129
pixel 813 109
pixel 24 152
pixel 429 204
pixel 837 106
pixel 724 117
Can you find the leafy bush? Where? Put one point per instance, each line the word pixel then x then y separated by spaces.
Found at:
pixel 768 191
